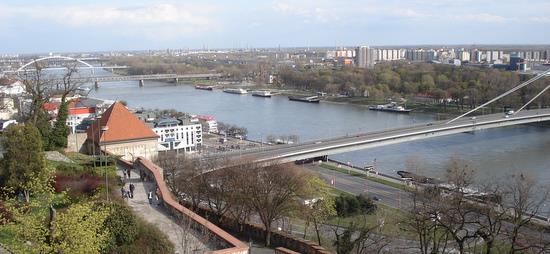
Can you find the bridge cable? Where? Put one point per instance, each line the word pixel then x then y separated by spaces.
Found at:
pixel 502 95
pixel 529 102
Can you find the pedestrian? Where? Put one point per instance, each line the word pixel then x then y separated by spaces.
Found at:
pixel 150 197
pixel 157 195
pixel 122 191
pixel 132 187
pixel 129 173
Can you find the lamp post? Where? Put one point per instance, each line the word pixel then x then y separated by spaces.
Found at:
pixel 103 130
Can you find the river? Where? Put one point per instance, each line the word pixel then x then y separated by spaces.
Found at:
pixel 493 153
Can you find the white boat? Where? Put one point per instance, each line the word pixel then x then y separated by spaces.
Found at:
pixel 392 107
pixel 235 90
pixel 261 93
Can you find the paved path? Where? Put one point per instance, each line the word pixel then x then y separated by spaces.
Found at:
pixel 183 238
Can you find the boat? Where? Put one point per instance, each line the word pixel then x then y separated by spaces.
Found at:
pixel 262 93
pixel 83 89
pixel 204 87
pixel 392 107
pixel 235 90
pixel 310 99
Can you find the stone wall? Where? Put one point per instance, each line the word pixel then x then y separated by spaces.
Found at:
pixel 75 142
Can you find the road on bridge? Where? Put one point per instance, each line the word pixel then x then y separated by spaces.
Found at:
pixel 311 149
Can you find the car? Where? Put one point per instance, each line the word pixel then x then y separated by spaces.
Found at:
pixel 473 118
pixel 375 198
pixel 510 112
pixel 430 124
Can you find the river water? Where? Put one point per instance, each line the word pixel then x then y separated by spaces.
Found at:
pixel 495 153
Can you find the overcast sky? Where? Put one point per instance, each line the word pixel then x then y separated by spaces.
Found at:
pixel 61 26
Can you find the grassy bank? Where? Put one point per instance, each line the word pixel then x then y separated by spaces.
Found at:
pixel 361 175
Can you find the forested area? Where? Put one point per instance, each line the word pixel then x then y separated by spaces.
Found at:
pixel 461 86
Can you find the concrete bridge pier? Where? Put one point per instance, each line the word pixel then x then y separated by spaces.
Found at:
pixel 141 83
pixel 96 84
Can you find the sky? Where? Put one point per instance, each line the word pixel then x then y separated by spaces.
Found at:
pixel 37 26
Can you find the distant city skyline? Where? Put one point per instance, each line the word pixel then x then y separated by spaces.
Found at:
pixel 66 26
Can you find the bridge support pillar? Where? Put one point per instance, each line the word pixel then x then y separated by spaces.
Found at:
pixel 96 85
pixel 141 83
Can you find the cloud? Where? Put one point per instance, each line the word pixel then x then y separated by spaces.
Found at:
pixel 156 20
pixel 482 17
pixel 310 11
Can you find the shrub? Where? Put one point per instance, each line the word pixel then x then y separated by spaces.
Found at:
pixel 83 184
pixel 122 224
pixel 149 240
pixel 348 205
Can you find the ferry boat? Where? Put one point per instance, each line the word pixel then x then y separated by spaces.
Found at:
pixel 262 93
pixel 204 87
pixel 392 107
pixel 235 90
pixel 310 99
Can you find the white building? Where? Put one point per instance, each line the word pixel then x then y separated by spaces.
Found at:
pixel 176 135
pixel 209 124
pixel 365 57
pixel 11 87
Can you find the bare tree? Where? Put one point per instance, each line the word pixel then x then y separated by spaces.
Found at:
pixel 359 236
pixel 525 200
pixel 272 191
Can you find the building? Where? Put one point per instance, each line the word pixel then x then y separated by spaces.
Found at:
pixel 121 133
pixel 365 57
pixel 178 135
pixel 11 87
pixel 421 55
pixel 78 113
pixel 209 124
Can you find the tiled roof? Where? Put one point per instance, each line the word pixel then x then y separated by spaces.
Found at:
pixel 122 126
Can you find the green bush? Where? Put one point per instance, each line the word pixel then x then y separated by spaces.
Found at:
pixel 122 224
pixel 149 239
pixel 348 205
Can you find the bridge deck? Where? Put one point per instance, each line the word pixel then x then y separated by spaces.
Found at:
pixel 288 153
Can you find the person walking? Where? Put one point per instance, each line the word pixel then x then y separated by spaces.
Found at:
pixel 132 188
pixel 128 173
pixel 150 197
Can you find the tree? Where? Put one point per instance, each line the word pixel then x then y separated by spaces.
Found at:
pixel 322 206
pixel 39 89
pixel 60 130
pixel 80 230
pixel 24 166
pixel 360 236
pixel 272 191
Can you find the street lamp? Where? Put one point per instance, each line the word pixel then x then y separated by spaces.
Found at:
pixel 103 130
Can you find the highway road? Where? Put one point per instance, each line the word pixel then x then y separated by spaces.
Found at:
pixel 390 196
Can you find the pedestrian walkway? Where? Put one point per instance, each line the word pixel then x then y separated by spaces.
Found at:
pixel 184 238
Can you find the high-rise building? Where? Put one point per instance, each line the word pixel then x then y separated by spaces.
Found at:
pixel 365 57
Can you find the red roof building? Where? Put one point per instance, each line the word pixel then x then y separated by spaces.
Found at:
pixel 120 132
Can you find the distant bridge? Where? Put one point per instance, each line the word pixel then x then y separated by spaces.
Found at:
pixel 142 78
